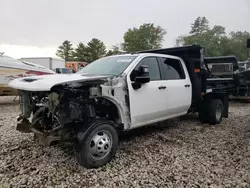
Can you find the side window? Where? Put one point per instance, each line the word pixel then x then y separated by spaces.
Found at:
pixel 173 69
pixel 153 67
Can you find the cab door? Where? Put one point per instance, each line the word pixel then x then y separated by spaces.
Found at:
pixel 148 104
pixel 179 89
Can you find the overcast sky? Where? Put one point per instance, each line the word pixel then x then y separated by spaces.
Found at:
pixel 37 27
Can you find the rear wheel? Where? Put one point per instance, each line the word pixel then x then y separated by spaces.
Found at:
pixel 215 111
pixel 96 146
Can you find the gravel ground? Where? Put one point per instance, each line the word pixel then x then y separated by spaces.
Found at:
pixel 176 153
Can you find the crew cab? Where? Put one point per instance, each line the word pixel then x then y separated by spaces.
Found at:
pixel 118 93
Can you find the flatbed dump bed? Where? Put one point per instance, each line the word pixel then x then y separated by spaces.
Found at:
pixel 221 84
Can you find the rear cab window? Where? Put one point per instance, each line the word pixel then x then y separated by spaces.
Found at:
pixel 172 69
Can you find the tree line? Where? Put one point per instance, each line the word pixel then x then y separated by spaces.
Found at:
pixel 215 40
pixel 147 36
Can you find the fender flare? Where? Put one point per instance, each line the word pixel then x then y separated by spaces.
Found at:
pixel 120 110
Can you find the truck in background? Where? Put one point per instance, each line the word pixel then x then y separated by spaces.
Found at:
pixel 76 65
pixel 63 70
pixel 48 62
pixel 229 67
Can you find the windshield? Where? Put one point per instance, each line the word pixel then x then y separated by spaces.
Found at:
pixel 112 65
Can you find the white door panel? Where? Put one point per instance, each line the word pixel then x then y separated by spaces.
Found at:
pixel 147 104
pixel 179 96
pixel 176 77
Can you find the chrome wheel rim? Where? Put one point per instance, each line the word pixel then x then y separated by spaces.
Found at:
pixel 218 112
pixel 100 144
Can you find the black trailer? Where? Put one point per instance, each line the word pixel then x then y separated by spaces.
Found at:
pixel 206 88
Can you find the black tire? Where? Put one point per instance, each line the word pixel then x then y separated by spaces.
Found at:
pixel 87 139
pixel 215 111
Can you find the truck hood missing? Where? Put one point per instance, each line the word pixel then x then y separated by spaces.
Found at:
pixel 46 82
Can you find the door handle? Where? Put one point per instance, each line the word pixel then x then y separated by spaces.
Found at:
pixel 187 85
pixel 162 87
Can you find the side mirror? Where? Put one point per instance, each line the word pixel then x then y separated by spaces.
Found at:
pixel 140 76
pixel 248 43
pixel 143 75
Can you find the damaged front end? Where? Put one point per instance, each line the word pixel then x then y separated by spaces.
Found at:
pixel 28 104
pixel 36 116
pixel 60 113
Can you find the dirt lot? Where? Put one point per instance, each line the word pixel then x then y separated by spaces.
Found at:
pixel 176 153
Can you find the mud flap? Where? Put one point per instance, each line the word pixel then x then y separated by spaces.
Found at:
pixel 25 126
pixel 225 101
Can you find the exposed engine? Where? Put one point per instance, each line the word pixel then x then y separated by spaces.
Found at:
pixel 59 114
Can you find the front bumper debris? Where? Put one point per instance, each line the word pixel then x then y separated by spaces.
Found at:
pixel 46 140
pixel 24 126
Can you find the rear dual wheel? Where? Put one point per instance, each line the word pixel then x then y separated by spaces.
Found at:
pixel 213 112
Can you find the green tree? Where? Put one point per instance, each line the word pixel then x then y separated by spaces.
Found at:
pixel 210 39
pixel 219 30
pixel 216 41
pixel 147 36
pixel 238 43
pixel 115 50
pixel 65 50
pixel 200 25
pixel 95 49
pixel 80 53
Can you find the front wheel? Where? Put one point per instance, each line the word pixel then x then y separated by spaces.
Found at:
pixel 97 145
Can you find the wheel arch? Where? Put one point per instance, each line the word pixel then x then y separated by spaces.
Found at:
pixel 123 119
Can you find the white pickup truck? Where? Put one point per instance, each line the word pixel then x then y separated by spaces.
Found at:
pixel 117 93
